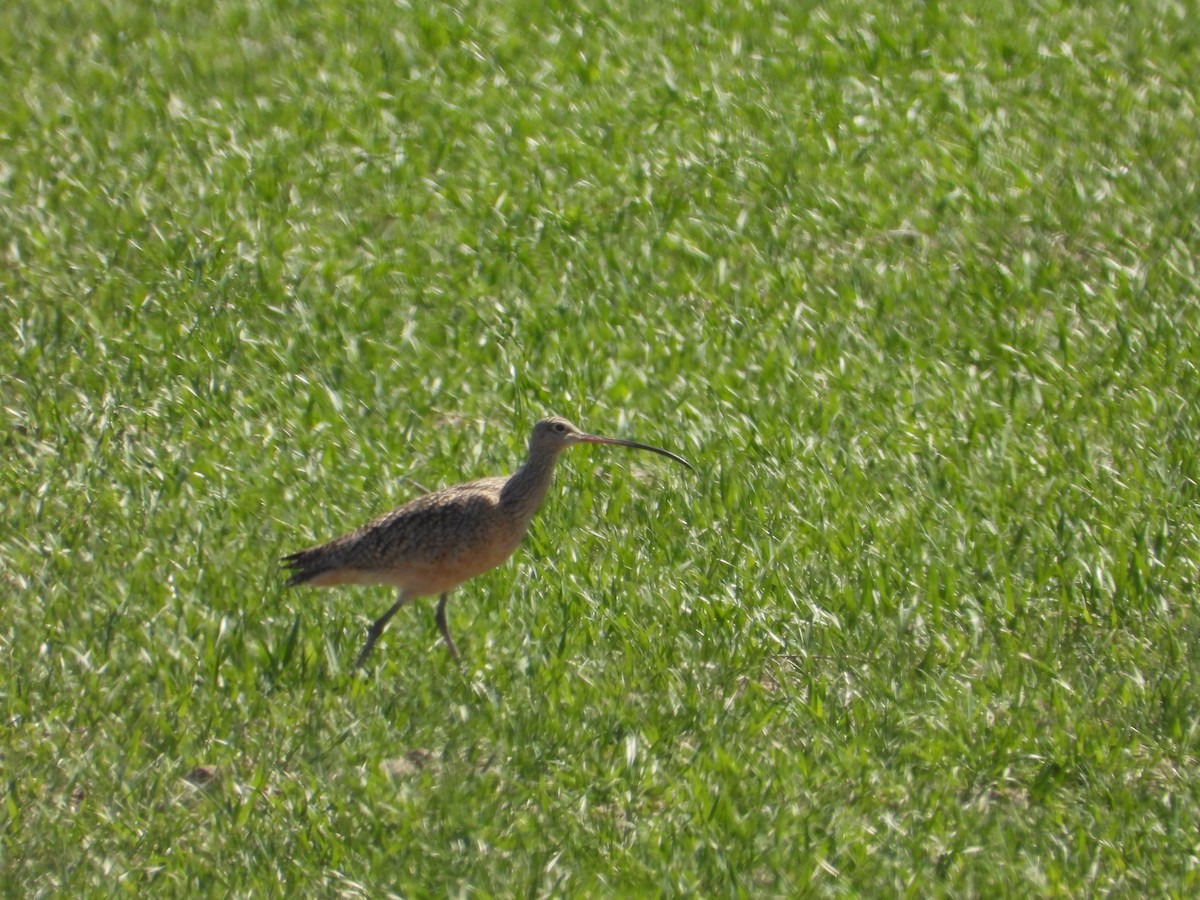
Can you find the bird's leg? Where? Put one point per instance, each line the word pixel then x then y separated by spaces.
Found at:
pixel 445 630
pixel 377 627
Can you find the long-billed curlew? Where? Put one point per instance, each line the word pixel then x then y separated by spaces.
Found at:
pixel 433 544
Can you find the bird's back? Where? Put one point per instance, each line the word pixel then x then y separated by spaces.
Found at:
pixel 427 546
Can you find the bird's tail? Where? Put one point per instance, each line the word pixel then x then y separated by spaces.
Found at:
pixel 305 565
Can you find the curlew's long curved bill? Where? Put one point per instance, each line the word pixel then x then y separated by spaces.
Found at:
pixel 597 439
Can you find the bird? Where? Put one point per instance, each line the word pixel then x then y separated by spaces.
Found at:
pixel 432 544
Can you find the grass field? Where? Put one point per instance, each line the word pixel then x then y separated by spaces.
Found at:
pixel 915 287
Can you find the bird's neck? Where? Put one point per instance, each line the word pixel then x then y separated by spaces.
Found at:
pixel 524 492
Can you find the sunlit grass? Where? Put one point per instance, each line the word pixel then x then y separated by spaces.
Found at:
pixel 914 286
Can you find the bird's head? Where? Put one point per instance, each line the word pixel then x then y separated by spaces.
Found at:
pixel 555 434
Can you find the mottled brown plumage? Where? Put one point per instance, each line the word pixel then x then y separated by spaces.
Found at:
pixel 434 543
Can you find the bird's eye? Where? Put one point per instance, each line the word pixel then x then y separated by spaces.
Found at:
pixel 559 427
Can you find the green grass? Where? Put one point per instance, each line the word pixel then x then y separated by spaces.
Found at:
pixel 915 287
